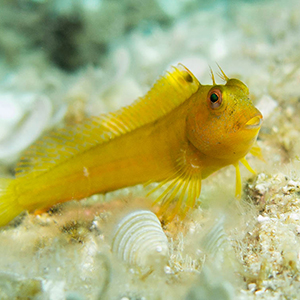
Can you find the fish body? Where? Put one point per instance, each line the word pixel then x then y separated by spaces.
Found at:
pixel 178 134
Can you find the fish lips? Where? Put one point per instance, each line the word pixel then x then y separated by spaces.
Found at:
pixel 255 122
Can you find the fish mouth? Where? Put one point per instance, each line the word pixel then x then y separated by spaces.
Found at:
pixel 254 122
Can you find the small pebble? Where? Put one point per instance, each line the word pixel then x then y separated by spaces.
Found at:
pixel 261 219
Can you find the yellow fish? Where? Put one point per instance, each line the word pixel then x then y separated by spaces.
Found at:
pixel 178 133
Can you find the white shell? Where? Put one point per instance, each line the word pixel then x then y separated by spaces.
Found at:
pixel 215 239
pixel 139 239
pixel 25 127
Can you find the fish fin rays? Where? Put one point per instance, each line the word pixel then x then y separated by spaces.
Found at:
pixel 167 93
pixel 180 195
pixel 256 151
pixel 246 164
pixel 238 181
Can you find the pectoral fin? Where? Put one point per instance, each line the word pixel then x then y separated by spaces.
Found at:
pixel 182 191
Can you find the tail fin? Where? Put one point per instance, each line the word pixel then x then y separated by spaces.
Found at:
pixel 9 207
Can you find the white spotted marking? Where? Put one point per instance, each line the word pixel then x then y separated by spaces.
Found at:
pixel 86 172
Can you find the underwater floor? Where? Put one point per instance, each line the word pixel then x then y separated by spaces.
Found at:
pixel 61 62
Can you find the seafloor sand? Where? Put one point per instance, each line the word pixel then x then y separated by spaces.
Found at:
pixel 225 249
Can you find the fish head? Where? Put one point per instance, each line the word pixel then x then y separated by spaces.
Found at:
pixel 223 123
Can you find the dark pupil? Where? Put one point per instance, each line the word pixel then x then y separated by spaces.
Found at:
pixel 214 98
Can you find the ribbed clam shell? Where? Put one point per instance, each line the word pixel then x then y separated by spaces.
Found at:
pixel 139 239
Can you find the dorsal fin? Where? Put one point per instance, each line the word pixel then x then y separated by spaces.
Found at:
pixel 167 93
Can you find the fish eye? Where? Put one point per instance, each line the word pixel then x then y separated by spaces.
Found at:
pixel 214 98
